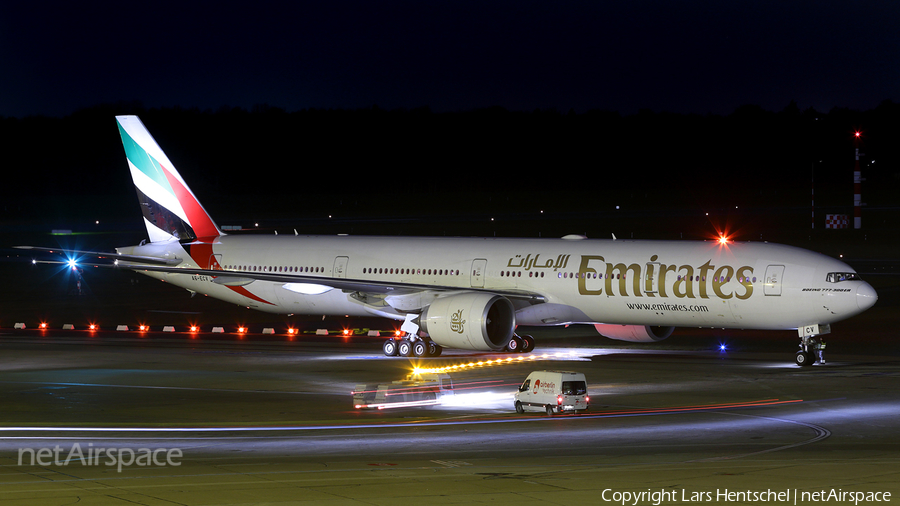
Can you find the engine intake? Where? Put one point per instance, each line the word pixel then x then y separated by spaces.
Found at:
pixel 470 321
pixel 634 333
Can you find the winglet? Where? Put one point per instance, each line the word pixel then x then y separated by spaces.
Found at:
pixel 171 210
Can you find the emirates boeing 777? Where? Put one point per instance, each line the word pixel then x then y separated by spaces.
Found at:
pixel 472 293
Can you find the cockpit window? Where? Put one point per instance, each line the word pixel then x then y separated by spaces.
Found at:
pixel 837 277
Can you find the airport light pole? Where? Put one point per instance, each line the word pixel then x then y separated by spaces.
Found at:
pixel 857 185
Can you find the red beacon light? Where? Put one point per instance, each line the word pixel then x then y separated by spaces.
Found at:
pixel 43 326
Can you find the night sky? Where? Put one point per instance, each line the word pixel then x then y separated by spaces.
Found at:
pixel 684 57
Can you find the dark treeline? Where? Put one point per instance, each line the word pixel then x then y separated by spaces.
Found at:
pixel 373 164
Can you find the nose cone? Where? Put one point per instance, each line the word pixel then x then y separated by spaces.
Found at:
pixel 865 296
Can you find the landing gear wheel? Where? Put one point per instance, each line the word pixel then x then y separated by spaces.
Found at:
pixel 404 348
pixel 420 349
pixel 527 344
pixel 390 348
pixel 519 408
pixel 514 345
pixel 804 358
pixel 433 349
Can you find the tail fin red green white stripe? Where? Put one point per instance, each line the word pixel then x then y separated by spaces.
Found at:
pixel 171 210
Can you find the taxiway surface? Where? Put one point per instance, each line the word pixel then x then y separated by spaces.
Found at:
pixel 271 421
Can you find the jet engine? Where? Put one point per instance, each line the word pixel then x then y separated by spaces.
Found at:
pixel 470 321
pixel 634 333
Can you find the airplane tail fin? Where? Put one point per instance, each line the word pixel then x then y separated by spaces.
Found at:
pixel 171 211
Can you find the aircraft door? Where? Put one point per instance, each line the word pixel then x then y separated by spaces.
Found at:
pixel 651 278
pixel 774 279
pixel 340 267
pixel 215 262
pixel 479 265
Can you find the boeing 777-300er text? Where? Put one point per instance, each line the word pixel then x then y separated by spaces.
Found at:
pixel 471 293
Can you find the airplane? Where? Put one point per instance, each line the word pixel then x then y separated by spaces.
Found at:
pixel 473 293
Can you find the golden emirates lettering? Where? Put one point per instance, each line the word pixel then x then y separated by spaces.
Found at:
pixel 656 279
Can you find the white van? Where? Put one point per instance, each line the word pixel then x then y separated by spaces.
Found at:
pixel 553 392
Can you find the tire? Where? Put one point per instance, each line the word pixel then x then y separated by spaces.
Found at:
pixel 420 349
pixel 549 410
pixel 804 359
pixel 433 349
pixel 390 348
pixel 514 345
pixel 404 349
pixel 519 408
pixel 527 344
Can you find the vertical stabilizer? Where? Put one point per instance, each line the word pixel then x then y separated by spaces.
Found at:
pixel 171 211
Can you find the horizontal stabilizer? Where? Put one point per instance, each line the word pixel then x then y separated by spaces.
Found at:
pixel 72 254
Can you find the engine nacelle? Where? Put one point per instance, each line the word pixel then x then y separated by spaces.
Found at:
pixel 470 321
pixel 634 333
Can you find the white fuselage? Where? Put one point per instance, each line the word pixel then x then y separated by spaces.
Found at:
pixel 628 282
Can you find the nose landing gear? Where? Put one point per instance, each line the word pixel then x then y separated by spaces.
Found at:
pixel 812 347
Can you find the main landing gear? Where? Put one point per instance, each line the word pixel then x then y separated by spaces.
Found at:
pixel 416 347
pixel 812 347
pixel 424 347
pixel 520 344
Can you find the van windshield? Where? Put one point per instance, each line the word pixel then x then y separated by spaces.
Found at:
pixel 574 388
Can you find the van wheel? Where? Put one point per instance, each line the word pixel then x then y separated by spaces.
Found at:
pixel 549 410
pixel 519 408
